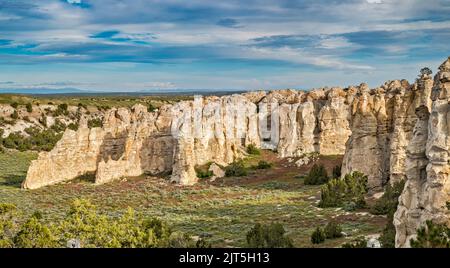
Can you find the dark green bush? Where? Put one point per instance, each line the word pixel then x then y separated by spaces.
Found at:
pixel 432 236
pixel 15 105
pixel 37 140
pixel 61 109
pixel 389 201
pixel 81 105
pixel 252 149
pixel 317 175
pixel 336 172
pixel 333 230
pixel 318 236
pixel 268 236
pixel 15 115
pixel 29 107
pixel 95 122
pixel 43 120
pixel 204 174
pixel 73 126
pixel 236 169
pixel 351 188
pixel 263 165
pixel 58 126
pixel 151 107
pixel 387 237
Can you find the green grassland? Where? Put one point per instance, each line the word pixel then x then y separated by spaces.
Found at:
pixel 93 100
pixel 222 211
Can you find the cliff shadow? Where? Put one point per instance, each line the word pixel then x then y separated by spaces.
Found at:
pixel 12 180
pixel 112 146
pixel 156 154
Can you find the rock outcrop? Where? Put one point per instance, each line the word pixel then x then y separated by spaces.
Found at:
pixel 130 143
pixel 427 188
pixel 382 125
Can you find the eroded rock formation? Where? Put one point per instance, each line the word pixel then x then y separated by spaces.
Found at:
pixel 295 123
pixel 130 143
pixel 427 188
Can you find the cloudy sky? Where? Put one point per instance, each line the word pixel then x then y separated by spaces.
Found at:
pixel 135 45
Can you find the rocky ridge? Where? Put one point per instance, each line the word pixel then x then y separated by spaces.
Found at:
pixel 394 132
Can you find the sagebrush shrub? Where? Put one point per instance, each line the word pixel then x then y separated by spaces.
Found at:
pixel 236 169
pixel 268 236
pixel 333 230
pixel 263 165
pixel 318 236
pixel 389 201
pixel 351 188
pixel 432 235
pixel 252 149
pixel 317 175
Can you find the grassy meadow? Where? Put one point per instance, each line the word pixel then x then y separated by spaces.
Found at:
pixel 221 211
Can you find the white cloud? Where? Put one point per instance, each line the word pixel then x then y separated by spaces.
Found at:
pixel 374 1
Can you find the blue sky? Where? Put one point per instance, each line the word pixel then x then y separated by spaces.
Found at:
pixel 119 45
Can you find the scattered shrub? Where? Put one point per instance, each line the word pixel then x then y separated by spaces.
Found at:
pixel 317 175
pixel 318 236
pixel 81 105
pixel 58 126
pixel 96 122
pixel 37 140
pixel 34 234
pixel 15 105
pixel 73 126
pixel 389 201
pixel 263 165
pixel 387 237
pixel 351 188
pixel 202 243
pixel 204 174
pixel 432 236
pixel 92 229
pixel 15 115
pixel 29 107
pixel 268 236
pixel 61 109
pixel 236 169
pixel 151 108
pixel 333 230
pixel 251 149
pixel 336 172
pixel 350 206
pixel 43 120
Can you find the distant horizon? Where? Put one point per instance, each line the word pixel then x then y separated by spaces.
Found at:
pixel 109 45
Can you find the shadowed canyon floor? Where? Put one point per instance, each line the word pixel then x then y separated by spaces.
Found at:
pixel 222 211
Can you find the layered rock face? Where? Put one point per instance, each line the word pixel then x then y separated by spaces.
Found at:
pixel 427 188
pixel 382 125
pixel 372 127
pixel 131 142
pixel 213 129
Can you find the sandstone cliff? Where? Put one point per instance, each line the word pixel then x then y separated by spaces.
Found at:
pixel 178 137
pixel 427 188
